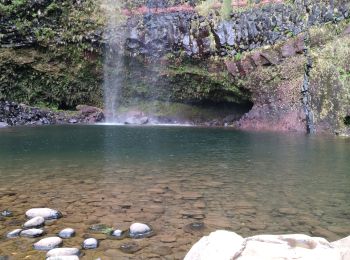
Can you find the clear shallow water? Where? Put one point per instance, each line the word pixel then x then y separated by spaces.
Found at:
pixel 170 177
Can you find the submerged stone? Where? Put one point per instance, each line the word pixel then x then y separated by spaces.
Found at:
pixel 130 248
pixel 33 232
pixel 3 125
pixel 140 230
pixel 90 243
pixel 67 233
pixel 118 234
pixel 101 228
pixel 14 233
pixel 65 257
pixel 35 222
pixel 48 243
pixel 6 213
pixel 65 251
pixel 46 213
pixel 195 227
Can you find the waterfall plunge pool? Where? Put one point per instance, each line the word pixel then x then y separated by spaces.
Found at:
pixel 171 178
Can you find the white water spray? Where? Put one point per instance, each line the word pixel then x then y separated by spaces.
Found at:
pixel 113 60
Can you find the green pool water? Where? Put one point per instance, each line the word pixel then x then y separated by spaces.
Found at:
pixel 170 177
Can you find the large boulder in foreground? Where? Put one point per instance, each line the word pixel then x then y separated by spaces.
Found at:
pixel 225 245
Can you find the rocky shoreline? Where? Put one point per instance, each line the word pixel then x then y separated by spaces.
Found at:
pixel 225 245
pixel 14 114
pixel 34 228
pixel 220 244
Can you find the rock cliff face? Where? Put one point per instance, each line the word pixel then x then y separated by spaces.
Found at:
pixel 52 53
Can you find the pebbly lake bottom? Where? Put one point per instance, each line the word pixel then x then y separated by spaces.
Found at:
pixel 184 182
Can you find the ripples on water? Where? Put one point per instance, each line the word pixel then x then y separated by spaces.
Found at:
pixel 250 183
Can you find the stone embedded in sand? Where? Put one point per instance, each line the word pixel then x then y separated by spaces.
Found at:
pixel 48 243
pixel 196 214
pixel 191 195
pixel 168 239
pixel 118 233
pixel 101 228
pixel 67 233
pixel 67 257
pixel 6 213
pixel 222 245
pixel 90 243
pixel 33 232
pixel 35 222
pixel 65 251
pixel 287 211
pixel 195 228
pixel 140 230
pixel 46 213
pixel 130 248
pixel 14 233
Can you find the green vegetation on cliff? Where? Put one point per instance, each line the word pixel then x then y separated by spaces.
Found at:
pixel 330 78
pixel 61 64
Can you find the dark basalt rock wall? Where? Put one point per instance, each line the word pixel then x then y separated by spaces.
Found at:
pixel 13 114
pixel 157 34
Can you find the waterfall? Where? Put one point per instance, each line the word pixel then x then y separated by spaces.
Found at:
pixel 113 59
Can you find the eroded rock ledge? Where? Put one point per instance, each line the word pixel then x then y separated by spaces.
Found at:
pixel 222 245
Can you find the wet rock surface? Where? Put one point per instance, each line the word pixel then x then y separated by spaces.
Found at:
pixel 48 243
pixel 45 213
pixel 14 233
pixel 35 222
pixel 33 232
pixel 66 233
pixel 130 248
pixel 90 243
pixel 65 251
pixel 227 245
pixel 68 257
pixel 140 230
pixel 118 233
pixel 101 228
pixel 6 213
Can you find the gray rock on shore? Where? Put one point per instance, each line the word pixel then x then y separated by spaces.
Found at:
pixel 139 230
pixel 117 233
pixel 6 213
pixel 67 233
pixel 46 213
pixel 35 222
pixel 33 232
pixel 225 245
pixel 67 257
pixel 14 233
pixel 48 243
pixel 64 251
pixel 90 243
